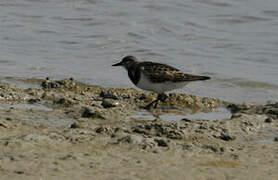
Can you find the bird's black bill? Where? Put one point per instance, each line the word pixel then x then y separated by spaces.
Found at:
pixel 118 64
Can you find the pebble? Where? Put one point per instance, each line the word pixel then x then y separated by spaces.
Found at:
pixel 88 113
pixel 161 142
pixel 19 172
pixel 236 115
pixel 125 96
pixel 108 95
pixel 126 139
pixel 226 137
pixel 186 120
pixel 268 120
pixel 108 104
pixel 142 97
pixel 99 130
pixel 32 101
pixel 48 84
pixel 75 125
pixel 273 111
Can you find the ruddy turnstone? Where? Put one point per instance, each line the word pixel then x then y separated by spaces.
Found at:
pixel 156 77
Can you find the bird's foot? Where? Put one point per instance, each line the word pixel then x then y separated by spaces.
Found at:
pixel 152 104
pixel 162 97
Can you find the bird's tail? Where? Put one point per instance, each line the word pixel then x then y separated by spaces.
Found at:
pixel 189 77
pixel 203 78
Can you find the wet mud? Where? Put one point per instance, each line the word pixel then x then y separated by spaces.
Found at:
pixel 67 129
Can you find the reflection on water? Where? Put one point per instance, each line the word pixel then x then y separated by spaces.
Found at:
pixel 217 114
pixel 177 115
pixel 235 41
pixel 22 83
pixel 27 106
pixel 270 140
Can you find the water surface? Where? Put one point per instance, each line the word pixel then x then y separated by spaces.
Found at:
pixel 235 42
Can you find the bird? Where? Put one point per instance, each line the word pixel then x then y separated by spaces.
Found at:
pixel 156 77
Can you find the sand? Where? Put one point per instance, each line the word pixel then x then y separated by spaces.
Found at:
pixel 69 130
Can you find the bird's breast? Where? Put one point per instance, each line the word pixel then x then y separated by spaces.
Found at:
pixel 145 83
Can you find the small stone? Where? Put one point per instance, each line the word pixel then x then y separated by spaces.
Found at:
pixel 187 146
pixel 273 111
pixel 236 115
pixel 174 135
pixel 67 157
pixel 186 120
pixel 87 113
pixel 142 97
pixel 33 101
pixel 75 125
pixel 126 139
pixel 107 104
pixel 234 108
pixel 3 125
pixel 48 84
pixel 108 95
pixel 211 147
pixel 8 119
pixel 138 130
pixel 222 149
pixel 63 101
pixel 19 172
pixel 99 130
pixel 125 96
pixel 226 137
pixel 268 120
pixel 155 151
pixel 161 142
pixel 276 139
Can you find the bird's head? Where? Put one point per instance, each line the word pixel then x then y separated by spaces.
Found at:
pixel 127 62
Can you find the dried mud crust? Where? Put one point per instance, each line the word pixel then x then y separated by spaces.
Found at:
pixel 87 131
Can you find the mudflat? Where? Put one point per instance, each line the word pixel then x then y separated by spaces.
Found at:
pixel 65 129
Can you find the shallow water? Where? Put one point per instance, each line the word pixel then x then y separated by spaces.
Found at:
pixel 21 83
pixel 218 114
pixel 235 42
pixel 27 106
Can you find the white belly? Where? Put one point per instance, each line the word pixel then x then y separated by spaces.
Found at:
pixel 146 84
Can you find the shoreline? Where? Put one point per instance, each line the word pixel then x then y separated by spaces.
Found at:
pixel 53 129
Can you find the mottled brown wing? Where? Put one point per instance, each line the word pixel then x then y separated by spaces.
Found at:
pixel 181 77
pixel 159 73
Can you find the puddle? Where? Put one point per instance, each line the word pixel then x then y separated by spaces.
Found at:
pixel 270 140
pixel 143 115
pixel 266 136
pixel 47 116
pixel 21 83
pixel 27 106
pixel 172 117
pixel 217 114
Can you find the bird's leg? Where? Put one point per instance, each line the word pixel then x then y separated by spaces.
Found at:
pixel 160 97
pixel 151 104
pixel 156 102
